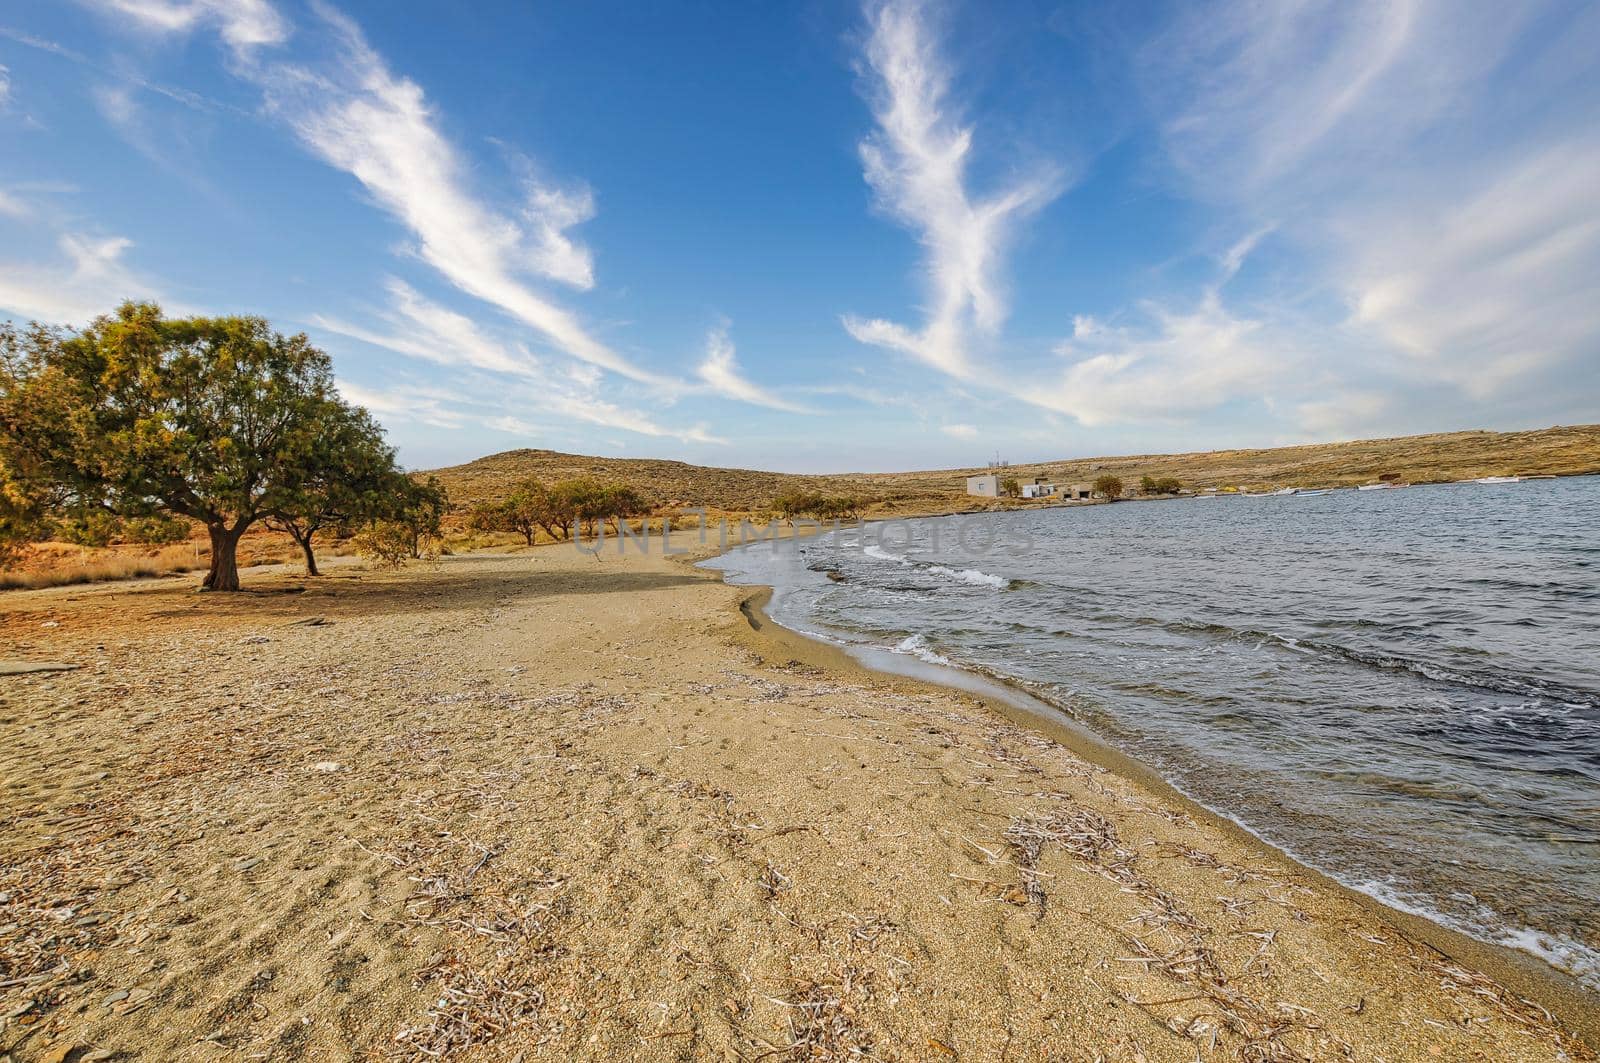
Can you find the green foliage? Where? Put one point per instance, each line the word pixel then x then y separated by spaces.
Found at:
pixel 1010 488
pixel 89 527
pixel 220 420
pixel 419 507
pixel 1109 486
pixel 533 507
pixel 157 529
pixel 386 542
pixel 816 506
pixel 1165 485
pixel 20 521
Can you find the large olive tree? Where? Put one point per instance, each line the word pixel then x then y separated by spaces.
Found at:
pixel 219 419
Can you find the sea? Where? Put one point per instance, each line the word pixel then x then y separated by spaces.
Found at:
pixel 1400 688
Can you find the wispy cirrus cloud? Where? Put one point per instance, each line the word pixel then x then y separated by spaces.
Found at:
pixel 1433 165
pixel 243 24
pixel 358 116
pixel 89 279
pixel 422 329
pixel 379 128
pixel 721 373
pixel 917 164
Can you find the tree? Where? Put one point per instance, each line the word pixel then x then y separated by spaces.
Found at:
pixel 352 479
pixel 1109 486
pixel 217 419
pixel 1165 485
pixel 530 508
pixel 418 507
pixel 819 507
pixel 1010 487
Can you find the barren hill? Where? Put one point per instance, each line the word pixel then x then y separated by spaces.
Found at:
pixel 1562 451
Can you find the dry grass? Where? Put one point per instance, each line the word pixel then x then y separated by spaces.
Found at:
pixel 100 566
pixel 54 564
pixel 1417 459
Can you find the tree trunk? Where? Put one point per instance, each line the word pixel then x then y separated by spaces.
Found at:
pixel 303 540
pixel 224 574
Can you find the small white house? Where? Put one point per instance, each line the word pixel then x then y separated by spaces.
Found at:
pixel 1038 489
pixel 986 486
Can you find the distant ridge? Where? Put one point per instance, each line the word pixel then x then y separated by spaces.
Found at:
pixel 1558 451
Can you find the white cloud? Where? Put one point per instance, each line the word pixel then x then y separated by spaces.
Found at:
pixel 244 24
pixel 424 329
pixel 1188 362
pixel 116 106
pixel 720 372
pixel 1489 288
pixel 916 162
pixel 512 426
pixel 91 281
pixel 420 328
pixel 11 206
pixel 5 85
pixel 549 214
pixel 960 431
pixel 379 128
pixel 405 403
pixel 1434 166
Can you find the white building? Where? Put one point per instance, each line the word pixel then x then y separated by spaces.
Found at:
pixel 987 486
pixel 1040 488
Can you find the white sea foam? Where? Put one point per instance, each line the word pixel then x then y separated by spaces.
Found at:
pixel 917 646
pixel 974 577
pixel 1578 960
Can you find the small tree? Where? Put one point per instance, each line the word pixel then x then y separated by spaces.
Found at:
pixel 384 542
pixel 1010 487
pixel 529 509
pixel 351 480
pixel 418 507
pixel 795 504
pixel 1165 485
pixel 217 419
pixel 1109 486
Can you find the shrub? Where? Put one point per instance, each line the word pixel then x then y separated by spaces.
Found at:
pixel 387 543
pixel 1165 485
pixel 1109 486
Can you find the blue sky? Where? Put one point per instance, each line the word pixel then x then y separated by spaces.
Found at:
pixel 827 236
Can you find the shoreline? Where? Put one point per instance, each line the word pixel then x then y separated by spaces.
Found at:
pixel 542 805
pixel 1523 972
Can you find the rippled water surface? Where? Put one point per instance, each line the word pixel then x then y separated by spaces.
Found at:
pixel 1400 687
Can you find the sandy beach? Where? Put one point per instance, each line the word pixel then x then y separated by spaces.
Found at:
pixel 539 805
